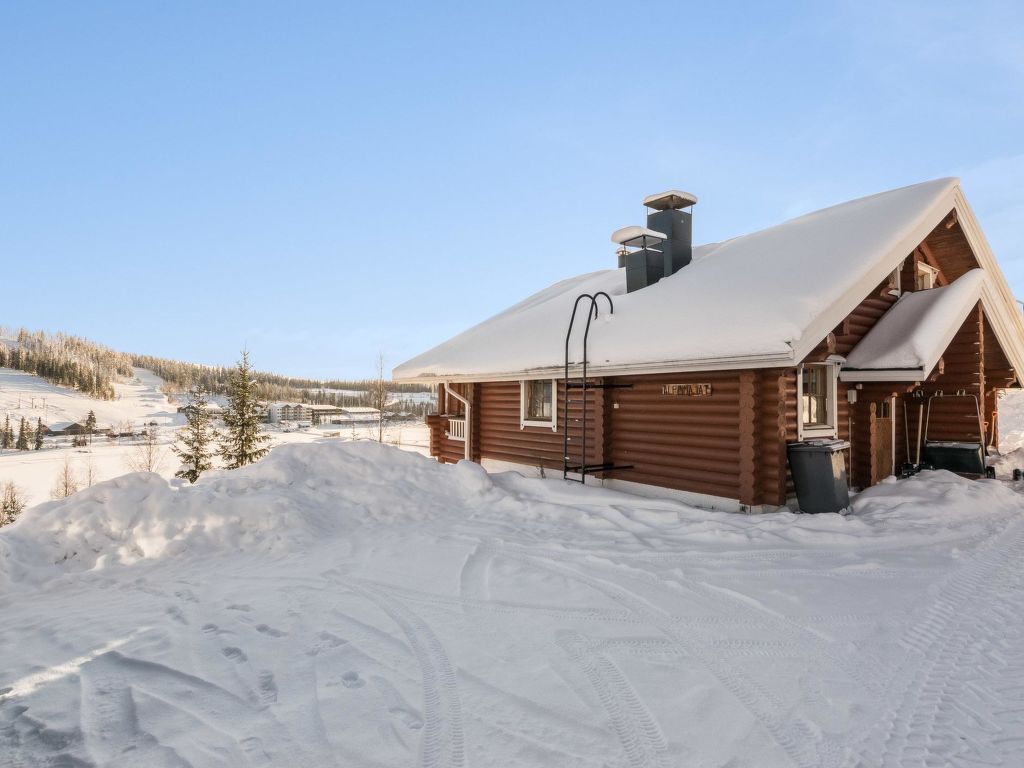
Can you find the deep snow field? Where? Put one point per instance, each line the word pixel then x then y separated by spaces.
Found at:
pixel 351 604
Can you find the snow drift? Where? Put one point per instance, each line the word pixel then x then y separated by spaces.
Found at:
pixel 298 495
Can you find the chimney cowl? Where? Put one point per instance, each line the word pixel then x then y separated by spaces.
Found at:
pixel 672 200
pixel 636 236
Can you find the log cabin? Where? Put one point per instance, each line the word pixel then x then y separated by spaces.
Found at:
pixel 687 370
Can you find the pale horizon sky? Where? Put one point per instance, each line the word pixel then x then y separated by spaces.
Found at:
pixel 323 181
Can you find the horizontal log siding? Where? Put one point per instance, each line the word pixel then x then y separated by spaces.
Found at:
pixel 686 443
pixel 862 319
pixel 501 437
pixel 957 419
pixel 773 433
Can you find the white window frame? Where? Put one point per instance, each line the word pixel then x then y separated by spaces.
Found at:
pixel 804 431
pixel 926 272
pixel 895 282
pixel 525 422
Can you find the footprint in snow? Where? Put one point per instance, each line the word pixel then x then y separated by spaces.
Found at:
pixel 326 642
pixel 175 613
pixel 268 630
pixel 240 607
pixel 352 680
pixel 235 654
pixel 268 686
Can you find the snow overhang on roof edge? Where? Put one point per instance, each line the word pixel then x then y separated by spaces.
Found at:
pixel 638 369
pixel 998 301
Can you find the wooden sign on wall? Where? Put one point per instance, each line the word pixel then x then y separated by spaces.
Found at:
pixel 686 390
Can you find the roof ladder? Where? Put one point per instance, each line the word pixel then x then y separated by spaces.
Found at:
pixel 578 464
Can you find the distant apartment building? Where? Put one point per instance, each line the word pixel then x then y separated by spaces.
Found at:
pixel 319 414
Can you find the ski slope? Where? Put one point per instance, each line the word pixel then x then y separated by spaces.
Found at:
pixel 349 604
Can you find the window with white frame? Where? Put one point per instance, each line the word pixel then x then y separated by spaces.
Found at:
pixel 538 403
pixel 893 283
pixel 816 400
pixel 927 276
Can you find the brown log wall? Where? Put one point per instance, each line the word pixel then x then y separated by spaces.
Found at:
pixel 682 442
pixel 503 439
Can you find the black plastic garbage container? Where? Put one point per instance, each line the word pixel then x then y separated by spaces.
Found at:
pixel 819 474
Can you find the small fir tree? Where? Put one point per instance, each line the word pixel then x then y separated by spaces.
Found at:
pixel 240 445
pixel 195 441
pixel 23 430
pixel 39 433
pixel 6 435
pixel 90 425
pixel 12 503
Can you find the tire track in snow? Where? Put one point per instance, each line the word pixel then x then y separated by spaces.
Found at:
pixel 110 723
pixel 873 678
pixel 947 643
pixel 443 742
pixel 634 725
pixel 797 737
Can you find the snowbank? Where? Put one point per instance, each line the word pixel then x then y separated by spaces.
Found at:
pixel 298 495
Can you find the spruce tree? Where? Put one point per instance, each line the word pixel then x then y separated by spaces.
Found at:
pixel 22 444
pixel 6 436
pixel 39 433
pixel 196 439
pixel 90 424
pixel 240 445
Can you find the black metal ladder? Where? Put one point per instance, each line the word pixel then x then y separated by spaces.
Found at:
pixel 578 465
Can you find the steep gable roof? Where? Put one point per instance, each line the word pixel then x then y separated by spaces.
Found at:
pixel 760 300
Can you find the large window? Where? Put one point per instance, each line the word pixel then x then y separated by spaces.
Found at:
pixel 538 403
pixel 817 400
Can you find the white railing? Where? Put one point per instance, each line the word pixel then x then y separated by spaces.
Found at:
pixel 457 429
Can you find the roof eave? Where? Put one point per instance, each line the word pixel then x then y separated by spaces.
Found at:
pixel 910 375
pixel 777 360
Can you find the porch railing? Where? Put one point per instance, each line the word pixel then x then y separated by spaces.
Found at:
pixel 457 429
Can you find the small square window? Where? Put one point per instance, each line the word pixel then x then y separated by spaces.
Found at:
pixel 927 276
pixel 538 403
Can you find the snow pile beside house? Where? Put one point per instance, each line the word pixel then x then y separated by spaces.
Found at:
pixel 298 495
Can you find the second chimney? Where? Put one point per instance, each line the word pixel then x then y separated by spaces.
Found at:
pixel 665 216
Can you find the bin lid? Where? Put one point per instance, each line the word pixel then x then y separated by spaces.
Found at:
pixel 820 446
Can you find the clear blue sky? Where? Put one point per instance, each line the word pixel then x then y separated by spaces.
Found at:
pixel 320 181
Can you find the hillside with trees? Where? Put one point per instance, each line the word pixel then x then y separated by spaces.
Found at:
pixel 70 361
pixel 92 368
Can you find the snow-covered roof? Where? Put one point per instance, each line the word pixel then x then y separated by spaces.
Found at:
pixel 760 300
pixel 908 340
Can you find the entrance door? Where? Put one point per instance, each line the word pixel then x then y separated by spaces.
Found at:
pixel 882 440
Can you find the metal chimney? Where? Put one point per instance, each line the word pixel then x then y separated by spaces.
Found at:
pixel 666 245
pixel 666 214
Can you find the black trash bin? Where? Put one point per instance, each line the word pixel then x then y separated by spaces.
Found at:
pixel 819 474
